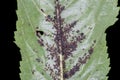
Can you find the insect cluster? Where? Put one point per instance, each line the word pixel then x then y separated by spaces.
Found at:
pixel 64 44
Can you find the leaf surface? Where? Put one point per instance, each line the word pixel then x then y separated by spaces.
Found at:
pixel 64 39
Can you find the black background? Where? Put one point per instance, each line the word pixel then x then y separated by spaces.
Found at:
pixel 10 54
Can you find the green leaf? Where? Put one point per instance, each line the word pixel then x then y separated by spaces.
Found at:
pixel 64 39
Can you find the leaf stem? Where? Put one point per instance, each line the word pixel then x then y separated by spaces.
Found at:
pixel 61 67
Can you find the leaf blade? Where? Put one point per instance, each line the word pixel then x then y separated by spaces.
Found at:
pixel 92 24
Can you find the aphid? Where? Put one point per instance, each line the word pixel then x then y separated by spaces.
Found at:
pixel 38 59
pixel 42 73
pixel 33 71
pixel 90 51
pixel 78 31
pixel 40 41
pixel 73 23
pixel 94 41
pixel 43 12
pixel 62 8
pixel 49 18
pixel 65 75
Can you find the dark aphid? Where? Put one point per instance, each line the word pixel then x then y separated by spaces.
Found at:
pixel 38 59
pixel 90 51
pixel 33 71
pixel 78 38
pixel 78 31
pixel 65 75
pixel 82 34
pixel 42 73
pixel 41 42
pixel 49 18
pixel 55 17
pixel 94 41
pixel 80 60
pixel 62 8
pixel 73 23
pixel 72 71
pixel 42 10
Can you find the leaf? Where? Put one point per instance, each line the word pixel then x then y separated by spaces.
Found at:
pixel 64 39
